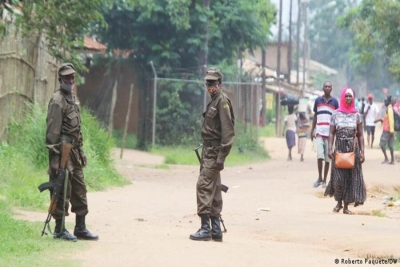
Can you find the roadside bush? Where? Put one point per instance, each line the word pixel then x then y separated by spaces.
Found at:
pixel 24 161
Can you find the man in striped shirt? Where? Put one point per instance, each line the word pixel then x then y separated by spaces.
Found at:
pixel 324 106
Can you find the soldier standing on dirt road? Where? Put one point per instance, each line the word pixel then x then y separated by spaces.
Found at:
pixel 64 124
pixel 218 135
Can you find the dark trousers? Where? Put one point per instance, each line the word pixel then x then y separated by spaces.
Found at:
pixel 76 193
pixel 209 197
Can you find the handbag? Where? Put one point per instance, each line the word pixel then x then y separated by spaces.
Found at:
pixel 346 160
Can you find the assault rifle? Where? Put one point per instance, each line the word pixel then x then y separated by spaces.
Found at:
pixel 57 184
pixel 224 188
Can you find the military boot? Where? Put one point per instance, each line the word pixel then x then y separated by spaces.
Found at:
pixel 80 229
pixel 61 233
pixel 216 232
pixel 204 233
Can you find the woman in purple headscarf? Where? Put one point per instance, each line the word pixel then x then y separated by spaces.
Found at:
pixel 346 185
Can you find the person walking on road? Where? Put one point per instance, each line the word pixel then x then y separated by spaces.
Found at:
pixel 370 114
pixel 324 106
pixel 64 124
pixel 302 133
pixel 347 185
pixel 218 136
pixel 387 137
pixel 289 130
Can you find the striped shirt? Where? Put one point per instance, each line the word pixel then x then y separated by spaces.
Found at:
pixel 323 110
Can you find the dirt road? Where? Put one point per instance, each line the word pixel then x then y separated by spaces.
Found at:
pixel 148 222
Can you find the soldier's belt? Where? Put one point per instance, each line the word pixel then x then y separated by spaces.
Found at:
pixel 69 140
pixel 211 142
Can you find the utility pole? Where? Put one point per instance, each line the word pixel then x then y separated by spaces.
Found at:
pixel 239 86
pixel 305 47
pixel 204 52
pixel 298 43
pixel 289 55
pixel 153 137
pixel 278 70
pixel 263 89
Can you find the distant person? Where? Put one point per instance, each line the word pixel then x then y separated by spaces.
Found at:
pixel 289 128
pixel 347 185
pixel 370 114
pixel 363 103
pixel 324 106
pixel 387 137
pixel 218 134
pixel 358 105
pixel 302 133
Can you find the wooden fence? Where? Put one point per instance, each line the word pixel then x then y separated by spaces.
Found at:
pixel 28 73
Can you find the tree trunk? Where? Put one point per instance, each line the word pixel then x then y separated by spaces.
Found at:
pixel 128 113
pixel 112 108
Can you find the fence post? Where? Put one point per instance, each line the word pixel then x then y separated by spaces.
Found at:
pixel 153 139
pixel 128 113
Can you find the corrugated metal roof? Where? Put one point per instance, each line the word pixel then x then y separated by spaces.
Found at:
pixel 93 45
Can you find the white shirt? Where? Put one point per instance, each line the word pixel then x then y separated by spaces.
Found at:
pixel 371 115
pixel 291 122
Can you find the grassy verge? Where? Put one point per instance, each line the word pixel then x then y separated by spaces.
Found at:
pixel 23 166
pixel 21 244
pixel 246 150
pixel 267 131
pixel 186 156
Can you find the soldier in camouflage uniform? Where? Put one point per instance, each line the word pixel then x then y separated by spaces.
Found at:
pixel 218 135
pixel 64 124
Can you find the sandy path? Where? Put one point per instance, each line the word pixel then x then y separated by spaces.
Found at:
pixel 148 222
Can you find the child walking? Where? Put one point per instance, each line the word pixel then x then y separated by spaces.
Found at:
pixel 302 133
pixel 290 128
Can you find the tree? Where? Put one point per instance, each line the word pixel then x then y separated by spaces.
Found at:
pixel 340 38
pixel 171 34
pixel 329 43
pixel 376 30
pixel 64 24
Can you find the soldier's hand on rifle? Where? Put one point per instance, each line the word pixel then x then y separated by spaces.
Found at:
pixel 220 164
pixel 54 166
pixel 84 160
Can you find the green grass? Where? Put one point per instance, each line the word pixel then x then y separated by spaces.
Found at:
pixel 130 139
pixel 397 142
pixel 246 149
pixel 186 156
pixel 267 131
pixel 21 244
pixel 379 213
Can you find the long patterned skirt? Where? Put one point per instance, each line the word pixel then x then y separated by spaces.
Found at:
pixel 347 185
